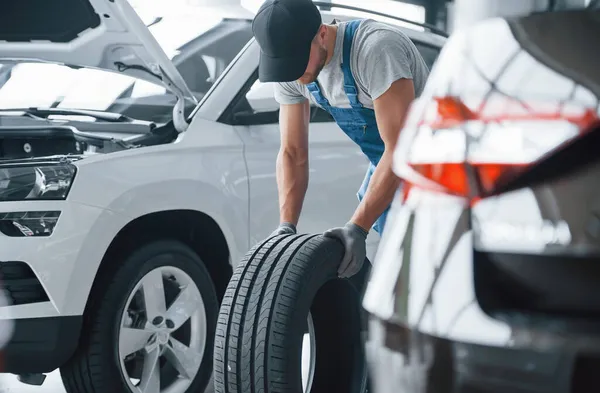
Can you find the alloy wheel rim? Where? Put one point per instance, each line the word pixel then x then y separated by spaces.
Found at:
pixel 308 366
pixel 148 328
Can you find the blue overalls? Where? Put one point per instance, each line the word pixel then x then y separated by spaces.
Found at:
pixel 358 122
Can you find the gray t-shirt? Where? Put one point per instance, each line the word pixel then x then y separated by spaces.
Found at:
pixel 380 55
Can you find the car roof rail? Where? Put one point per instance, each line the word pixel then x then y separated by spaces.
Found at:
pixel 325 5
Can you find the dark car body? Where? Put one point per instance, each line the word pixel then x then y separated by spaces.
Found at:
pixel 486 278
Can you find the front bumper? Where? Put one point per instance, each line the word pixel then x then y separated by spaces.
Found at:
pixel 41 345
pixel 46 283
pixel 51 276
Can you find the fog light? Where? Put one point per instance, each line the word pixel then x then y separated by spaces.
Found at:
pixel 28 224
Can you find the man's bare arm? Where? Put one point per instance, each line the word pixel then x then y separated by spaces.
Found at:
pixel 292 160
pixel 390 112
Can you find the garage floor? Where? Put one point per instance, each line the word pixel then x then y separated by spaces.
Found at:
pixel 53 384
pixel 10 384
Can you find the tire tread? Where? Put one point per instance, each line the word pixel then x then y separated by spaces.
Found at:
pixel 252 312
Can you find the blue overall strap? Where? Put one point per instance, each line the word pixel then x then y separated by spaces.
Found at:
pixel 314 89
pixel 349 82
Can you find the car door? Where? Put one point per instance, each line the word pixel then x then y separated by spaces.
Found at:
pixel 337 166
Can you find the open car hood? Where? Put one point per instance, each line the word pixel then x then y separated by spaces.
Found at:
pixel 103 34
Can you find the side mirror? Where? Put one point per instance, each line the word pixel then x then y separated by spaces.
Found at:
pixel 261 98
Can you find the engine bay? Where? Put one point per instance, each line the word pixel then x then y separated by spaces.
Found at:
pixel 23 136
pixel 29 143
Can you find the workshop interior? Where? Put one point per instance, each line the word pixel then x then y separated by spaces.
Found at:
pixel 298 196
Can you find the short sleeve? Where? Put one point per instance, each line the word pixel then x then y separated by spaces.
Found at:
pixel 288 93
pixel 384 58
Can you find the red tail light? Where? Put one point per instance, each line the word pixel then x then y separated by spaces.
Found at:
pixel 447 146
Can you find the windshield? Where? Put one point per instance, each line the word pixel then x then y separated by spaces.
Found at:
pixel 200 42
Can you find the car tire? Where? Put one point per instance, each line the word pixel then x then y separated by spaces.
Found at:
pixel 96 365
pixel 263 318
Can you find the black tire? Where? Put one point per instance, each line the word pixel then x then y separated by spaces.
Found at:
pixel 263 317
pixel 94 368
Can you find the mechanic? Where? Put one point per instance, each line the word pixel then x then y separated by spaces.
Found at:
pixel 363 72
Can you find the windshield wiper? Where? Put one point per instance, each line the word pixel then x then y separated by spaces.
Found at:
pixel 41 112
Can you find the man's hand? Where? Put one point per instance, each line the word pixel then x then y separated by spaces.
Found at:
pixel 284 228
pixel 354 239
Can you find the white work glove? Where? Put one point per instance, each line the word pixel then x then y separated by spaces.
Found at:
pixel 284 228
pixel 354 239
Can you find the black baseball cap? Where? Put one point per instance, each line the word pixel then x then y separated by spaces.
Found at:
pixel 284 30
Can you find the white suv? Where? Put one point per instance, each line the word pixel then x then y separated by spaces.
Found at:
pixel 118 234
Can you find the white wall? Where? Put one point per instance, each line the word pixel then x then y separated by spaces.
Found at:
pixel 463 13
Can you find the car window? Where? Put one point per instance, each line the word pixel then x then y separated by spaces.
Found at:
pixel 256 104
pixel 566 5
pixel 430 53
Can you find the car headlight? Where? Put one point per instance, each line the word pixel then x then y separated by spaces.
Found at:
pixel 35 182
